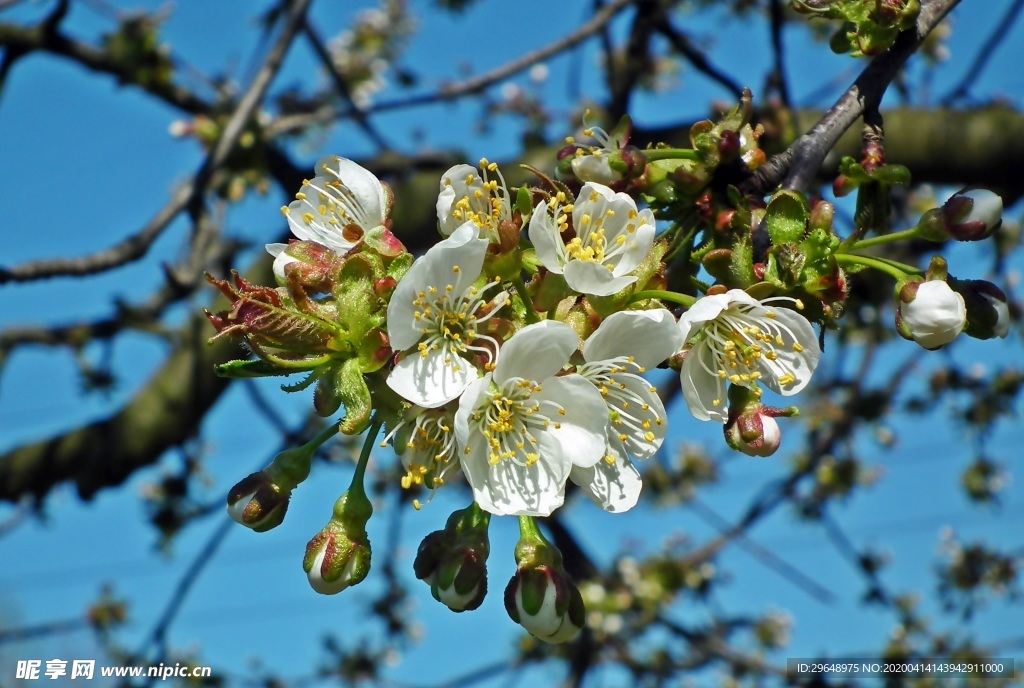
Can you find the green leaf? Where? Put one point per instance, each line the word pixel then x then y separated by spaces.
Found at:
pixel 787 218
pixel 241 369
pixel 355 396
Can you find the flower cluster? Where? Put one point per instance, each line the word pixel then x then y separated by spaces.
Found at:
pixel 512 354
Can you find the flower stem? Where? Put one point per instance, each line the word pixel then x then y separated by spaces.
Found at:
pixel 357 488
pixel 528 529
pixel 897 271
pixel 520 286
pixel 671 154
pixel 906 234
pixel 670 296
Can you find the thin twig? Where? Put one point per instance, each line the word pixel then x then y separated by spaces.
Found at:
pixel 294 19
pixel 469 86
pixel 158 636
pixel 133 248
pixel 764 555
pixel 342 87
pixel 682 44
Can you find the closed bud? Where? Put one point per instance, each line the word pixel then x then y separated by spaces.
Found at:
pixel 973 215
pixel 453 561
pixel 988 314
pixel 258 502
pixel 542 597
pixel 313 264
pixel 930 313
pixel 544 600
pixel 339 555
pixel 751 427
pixel 967 216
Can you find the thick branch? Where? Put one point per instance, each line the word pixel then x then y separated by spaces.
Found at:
pixel 31 39
pixel 799 164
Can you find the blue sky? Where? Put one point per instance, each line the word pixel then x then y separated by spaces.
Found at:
pixel 79 140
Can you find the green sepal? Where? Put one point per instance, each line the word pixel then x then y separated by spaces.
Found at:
pixel 533 587
pixel 327 395
pixel 399 266
pixel 524 201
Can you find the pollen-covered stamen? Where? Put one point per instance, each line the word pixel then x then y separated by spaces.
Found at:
pixel 740 346
pixel 630 413
pixel 451 322
pixel 592 243
pixel 429 452
pixel 510 419
pixel 340 199
pixel 487 203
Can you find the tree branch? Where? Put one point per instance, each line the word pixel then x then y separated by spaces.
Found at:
pixel 798 166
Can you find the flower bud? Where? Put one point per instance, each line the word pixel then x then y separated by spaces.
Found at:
pixel 314 264
pixel 258 502
pixel 261 500
pixel 973 215
pixel 751 427
pixel 541 597
pixel 930 313
pixel 339 555
pixel 453 561
pixel 988 314
pixel 545 601
pixel 967 216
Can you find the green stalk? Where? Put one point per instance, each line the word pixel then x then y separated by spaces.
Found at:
pixel 520 287
pixel 670 296
pixel 906 234
pixel 357 488
pixel 671 154
pixel 897 271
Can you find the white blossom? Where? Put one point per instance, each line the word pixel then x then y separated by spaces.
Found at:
pixel 626 344
pixel 733 338
pixel 471 195
pixel 521 428
pixel 611 238
pixel 438 309
pixel 336 208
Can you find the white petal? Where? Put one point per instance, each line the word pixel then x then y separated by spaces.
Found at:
pixel 581 437
pixel 281 259
pixel 435 268
pixel 453 187
pixel 705 309
pixel 701 388
pixel 594 278
pixel 638 244
pixel 615 487
pixel 987 207
pixel 467 404
pixel 639 444
pixel 594 168
pixel 510 489
pixel 649 337
pixel 429 381
pixel 536 352
pixel 546 239
pixel 796 330
pixel 367 198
